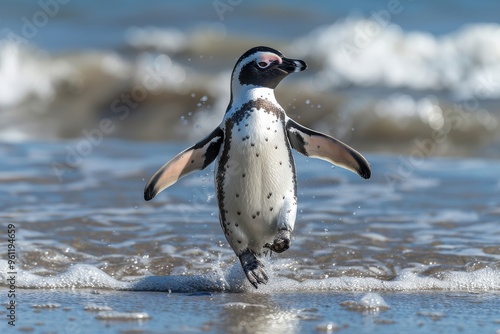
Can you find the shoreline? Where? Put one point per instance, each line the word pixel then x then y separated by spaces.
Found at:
pixel 88 311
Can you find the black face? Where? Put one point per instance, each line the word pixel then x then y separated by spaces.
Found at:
pixel 267 68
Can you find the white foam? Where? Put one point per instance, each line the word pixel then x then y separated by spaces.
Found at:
pixel 18 62
pixel 408 280
pixel 371 302
pixel 167 39
pixel 328 327
pixel 46 306
pixel 122 316
pixel 465 61
pixel 13 135
pixel 76 277
pixel 375 236
pixel 232 280
pixel 97 308
pixel 242 305
pixel 165 72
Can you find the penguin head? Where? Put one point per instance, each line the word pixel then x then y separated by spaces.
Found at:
pixel 263 66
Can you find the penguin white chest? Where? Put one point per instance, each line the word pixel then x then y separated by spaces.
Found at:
pixel 256 182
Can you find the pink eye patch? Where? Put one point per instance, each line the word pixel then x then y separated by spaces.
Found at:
pixel 267 59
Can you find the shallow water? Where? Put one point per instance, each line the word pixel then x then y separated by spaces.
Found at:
pixel 423 234
pixel 87 311
pixel 428 224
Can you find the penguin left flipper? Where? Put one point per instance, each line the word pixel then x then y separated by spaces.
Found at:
pixel 196 157
pixel 319 145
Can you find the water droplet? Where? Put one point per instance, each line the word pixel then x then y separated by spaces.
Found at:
pixel 328 327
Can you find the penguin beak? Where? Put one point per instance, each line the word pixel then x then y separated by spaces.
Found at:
pixel 292 65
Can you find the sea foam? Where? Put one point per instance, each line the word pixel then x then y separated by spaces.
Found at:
pixel 232 280
pixel 464 62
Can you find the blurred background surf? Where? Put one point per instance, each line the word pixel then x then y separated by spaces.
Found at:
pixel 383 75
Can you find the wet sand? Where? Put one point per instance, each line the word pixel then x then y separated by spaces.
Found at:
pixel 94 311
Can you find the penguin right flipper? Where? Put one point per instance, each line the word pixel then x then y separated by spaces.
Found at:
pixel 196 157
pixel 319 145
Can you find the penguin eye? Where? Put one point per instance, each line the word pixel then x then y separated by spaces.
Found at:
pixel 263 64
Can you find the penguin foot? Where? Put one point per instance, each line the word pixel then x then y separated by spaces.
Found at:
pixel 281 242
pixel 253 268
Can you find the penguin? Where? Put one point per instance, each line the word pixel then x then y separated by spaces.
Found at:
pixel 255 177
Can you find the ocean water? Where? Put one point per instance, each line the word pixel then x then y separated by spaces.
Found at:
pixel 410 227
pixel 94 97
pixel 425 232
pixel 431 227
pixel 392 71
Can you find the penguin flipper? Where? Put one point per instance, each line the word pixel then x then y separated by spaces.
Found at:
pixel 196 157
pixel 319 145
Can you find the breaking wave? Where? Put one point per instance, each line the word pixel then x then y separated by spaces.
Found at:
pixel 366 52
pixel 385 84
